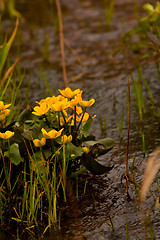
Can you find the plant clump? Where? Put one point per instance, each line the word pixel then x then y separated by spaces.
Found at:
pixel 47 145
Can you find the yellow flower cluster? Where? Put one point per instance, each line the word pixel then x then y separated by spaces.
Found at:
pixel 4 112
pixel 60 105
pixel 67 99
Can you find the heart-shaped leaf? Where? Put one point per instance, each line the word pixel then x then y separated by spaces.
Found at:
pixel 25 115
pixel 72 149
pixel 32 133
pixel 107 143
pixel 87 126
pixel 14 154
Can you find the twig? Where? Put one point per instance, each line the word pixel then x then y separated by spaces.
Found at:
pixel 59 12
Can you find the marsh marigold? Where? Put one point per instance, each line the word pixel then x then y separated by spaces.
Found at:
pixel 39 143
pixel 87 103
pixel 6 135
pixel 41 110
pixel 51 134
pixel 68 93
pixel 4 112
pixel 66 139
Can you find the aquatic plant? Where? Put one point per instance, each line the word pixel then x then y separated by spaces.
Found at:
pixel 109 11
pixel 147 33
pixel 42 150
pixel 9 7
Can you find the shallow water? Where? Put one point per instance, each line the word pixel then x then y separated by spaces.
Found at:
pixel 102 76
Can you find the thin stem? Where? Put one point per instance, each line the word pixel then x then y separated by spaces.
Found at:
pixel 74 132
pixel 48 123
pixel 81 119
pixel 59 11
pixel 75 115
pixel 59 119
pixel 63 117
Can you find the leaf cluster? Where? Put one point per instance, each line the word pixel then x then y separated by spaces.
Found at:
pixel 144 38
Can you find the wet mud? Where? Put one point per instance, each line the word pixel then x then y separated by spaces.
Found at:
pixel 104 211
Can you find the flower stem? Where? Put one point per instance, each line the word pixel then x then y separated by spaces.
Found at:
pixel 74 132
pixel 84 110
pixel 63 117
pixel 59 119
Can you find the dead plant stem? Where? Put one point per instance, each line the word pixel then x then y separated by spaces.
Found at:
pixel 61 35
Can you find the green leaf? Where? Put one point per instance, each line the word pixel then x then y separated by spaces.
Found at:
pixel 148 8
pixel 25 115
pixel 5 48
pixel 72 149
pixel 108 143
pixel 87 126
pixel 32 133
pixel 14 154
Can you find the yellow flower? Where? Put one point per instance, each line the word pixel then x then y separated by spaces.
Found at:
pixel 60 105
pixel 86 149
pixel 68 93
pixel 48 100
pixel 66 139
pixel 85 117
pixel 3 110
pixel 87 103
pixel 70 120
pixel 39 143
pixel 76 100
pixel 41 110
pixel 2 106
pixel 78 109
pixel 51 134
pixel 62 122
pixel 6 135
pixel 60 98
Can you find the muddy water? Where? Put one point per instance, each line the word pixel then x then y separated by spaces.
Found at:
pixel 102 76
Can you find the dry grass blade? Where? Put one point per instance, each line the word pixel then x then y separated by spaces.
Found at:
pixel 10 70
pixel 153 165
pixel 6 47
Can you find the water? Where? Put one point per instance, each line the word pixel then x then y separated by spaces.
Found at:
pixel 102 76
